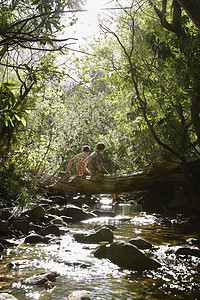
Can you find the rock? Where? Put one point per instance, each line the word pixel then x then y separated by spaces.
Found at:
pixel 188 251
pixel 140 243
pixel 67 219
pixel 5 214
pixel 22 225
pixel 102 235
pixel 42 278
pixel 79 295
pixel 128 256
pixel 100 252
pixel 34 239
pixel 6 296
pixel 51 229
pixel 35 227
pixel 52 211
pixel 4 228
pixel 76 213
pixel 37 212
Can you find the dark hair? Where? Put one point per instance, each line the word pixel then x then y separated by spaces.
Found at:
pixel 86 148
pixel 101 146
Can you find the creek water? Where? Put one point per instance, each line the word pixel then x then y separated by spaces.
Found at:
pixel 178 277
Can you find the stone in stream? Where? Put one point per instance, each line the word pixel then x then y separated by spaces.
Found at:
pixel 140 243
pixel 22 224
pixel 76 213
pixel 79 295
pixel 37 212
pixel 42 279
pixel 128 256
pixel 4 228
pixel 34 239
pixel 102 235
pixel 50 229
pixel 188 251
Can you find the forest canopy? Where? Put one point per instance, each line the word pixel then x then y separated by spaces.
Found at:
pixel 133 84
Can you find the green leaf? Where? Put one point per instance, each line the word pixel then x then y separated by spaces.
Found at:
pixel 23 121
pixel 17 117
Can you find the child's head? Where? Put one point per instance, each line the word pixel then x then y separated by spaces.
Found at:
pixel 86 149
pixel 100 146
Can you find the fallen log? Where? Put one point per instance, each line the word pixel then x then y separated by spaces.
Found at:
pixel 161 172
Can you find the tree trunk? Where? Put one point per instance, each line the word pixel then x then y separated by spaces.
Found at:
pixel 160 173
pixel 192 8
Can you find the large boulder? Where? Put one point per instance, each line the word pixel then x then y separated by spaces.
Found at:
pixel 76 213
pixel 102 235
pixel 128 256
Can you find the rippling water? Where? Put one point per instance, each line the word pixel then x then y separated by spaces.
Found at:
pixel 178 278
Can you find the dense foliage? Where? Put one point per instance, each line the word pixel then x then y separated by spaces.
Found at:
pixel 138 90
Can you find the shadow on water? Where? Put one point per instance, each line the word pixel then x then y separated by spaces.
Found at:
pixel 178 277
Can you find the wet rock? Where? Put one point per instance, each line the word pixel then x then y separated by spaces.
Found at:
pixel 67 219
pixel 34 239
pixel 57 221
pixel 52 211
pixel 102 235
pixel 35 227
pixel 4 228
pixel 22 225
pixel 37 212
pixel 101 213
pixel 79 295
pixel 51 229
pixel 48 218
pixel 188 251
pixel 58 200
pixel 51 239
pixel 76 213
pixel 6 296
pixel 41 279
pixel 140 243
pixel 100 252
pixel 8 243
pixel 128 256
pixel 5 214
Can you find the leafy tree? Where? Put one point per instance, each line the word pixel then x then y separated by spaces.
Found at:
pixel 28 30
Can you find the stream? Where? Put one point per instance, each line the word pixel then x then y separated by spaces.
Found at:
pixel 178 277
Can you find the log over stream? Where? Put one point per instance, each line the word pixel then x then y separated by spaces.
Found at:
pixel 161 172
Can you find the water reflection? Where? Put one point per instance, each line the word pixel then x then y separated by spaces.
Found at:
pixel 178 278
